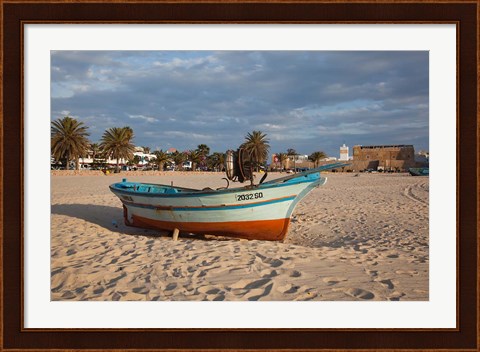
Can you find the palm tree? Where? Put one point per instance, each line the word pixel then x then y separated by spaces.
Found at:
pixel 160 158
pixel 146 150
pixel 134 161
pixel 195 157
pixel 129 132
pixel 256 144
pixel 69 140
pixel 316 157
pixel 95 149
pixel 203 149
pixel 179 158
pixel 292 152
pixel 282 158
pixel 102 158
pixel 116 143
pixel 216 161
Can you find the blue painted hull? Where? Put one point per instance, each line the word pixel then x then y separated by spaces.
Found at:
pixel 420 171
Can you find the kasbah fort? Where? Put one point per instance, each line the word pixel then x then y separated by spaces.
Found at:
pixel 393 158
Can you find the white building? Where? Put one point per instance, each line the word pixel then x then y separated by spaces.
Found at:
pixel 298 157
pixel 144 159
pixel 344 153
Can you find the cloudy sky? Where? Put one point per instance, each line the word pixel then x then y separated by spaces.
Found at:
pixel 305 100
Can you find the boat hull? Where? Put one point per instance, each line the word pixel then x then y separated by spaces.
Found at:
pixel 262 212
pixel 270 230
pixel 420 171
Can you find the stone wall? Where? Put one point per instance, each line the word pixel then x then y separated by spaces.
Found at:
pixel 386 157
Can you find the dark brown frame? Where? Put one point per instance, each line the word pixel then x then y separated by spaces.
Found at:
pixel 14 14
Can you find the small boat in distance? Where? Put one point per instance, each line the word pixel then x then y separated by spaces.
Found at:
pixel 418 171
pixel 260 212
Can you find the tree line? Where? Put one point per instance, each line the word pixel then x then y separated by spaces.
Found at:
pixel 69 143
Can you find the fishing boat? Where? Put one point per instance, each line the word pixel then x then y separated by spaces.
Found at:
pixel 256 211
pixel 419 171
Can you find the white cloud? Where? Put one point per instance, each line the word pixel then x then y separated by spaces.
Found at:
pixel 145 118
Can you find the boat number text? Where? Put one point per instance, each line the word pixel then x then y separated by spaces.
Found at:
pixel 249 196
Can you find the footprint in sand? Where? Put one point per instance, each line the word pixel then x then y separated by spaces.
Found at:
pixel 171 286
pixel 256 284
pixel 141 290
pixel 292 289
pixel 288 288
pixel 265 293
pixel 209 290
pixel 359 293
pixel 396 296
pixel 268 274
pixel 212 291
pixel 295 273
pixel 407 272
pixel 274 263
pixel 81 289
pixel 98 290
pixel 330 281
pixel 358 249
pixel 112 282
pixel 56 271
pixel 387 283
pixel 308 295
pixel 117 296
pixel 220 297
pixel 68 295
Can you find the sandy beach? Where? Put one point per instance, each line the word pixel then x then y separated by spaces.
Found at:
pixel 358 237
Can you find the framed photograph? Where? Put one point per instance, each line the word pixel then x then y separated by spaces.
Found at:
pixel 223 65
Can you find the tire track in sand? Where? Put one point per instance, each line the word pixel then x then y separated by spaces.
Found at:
pixel 409 192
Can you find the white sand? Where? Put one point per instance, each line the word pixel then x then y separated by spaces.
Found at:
pixel 356 238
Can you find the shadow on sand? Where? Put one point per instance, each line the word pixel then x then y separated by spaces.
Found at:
pixel 111 219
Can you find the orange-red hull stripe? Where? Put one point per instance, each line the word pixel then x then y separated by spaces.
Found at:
pixel 270 230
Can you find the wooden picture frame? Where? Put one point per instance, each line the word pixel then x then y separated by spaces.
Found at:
pixel 17 13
